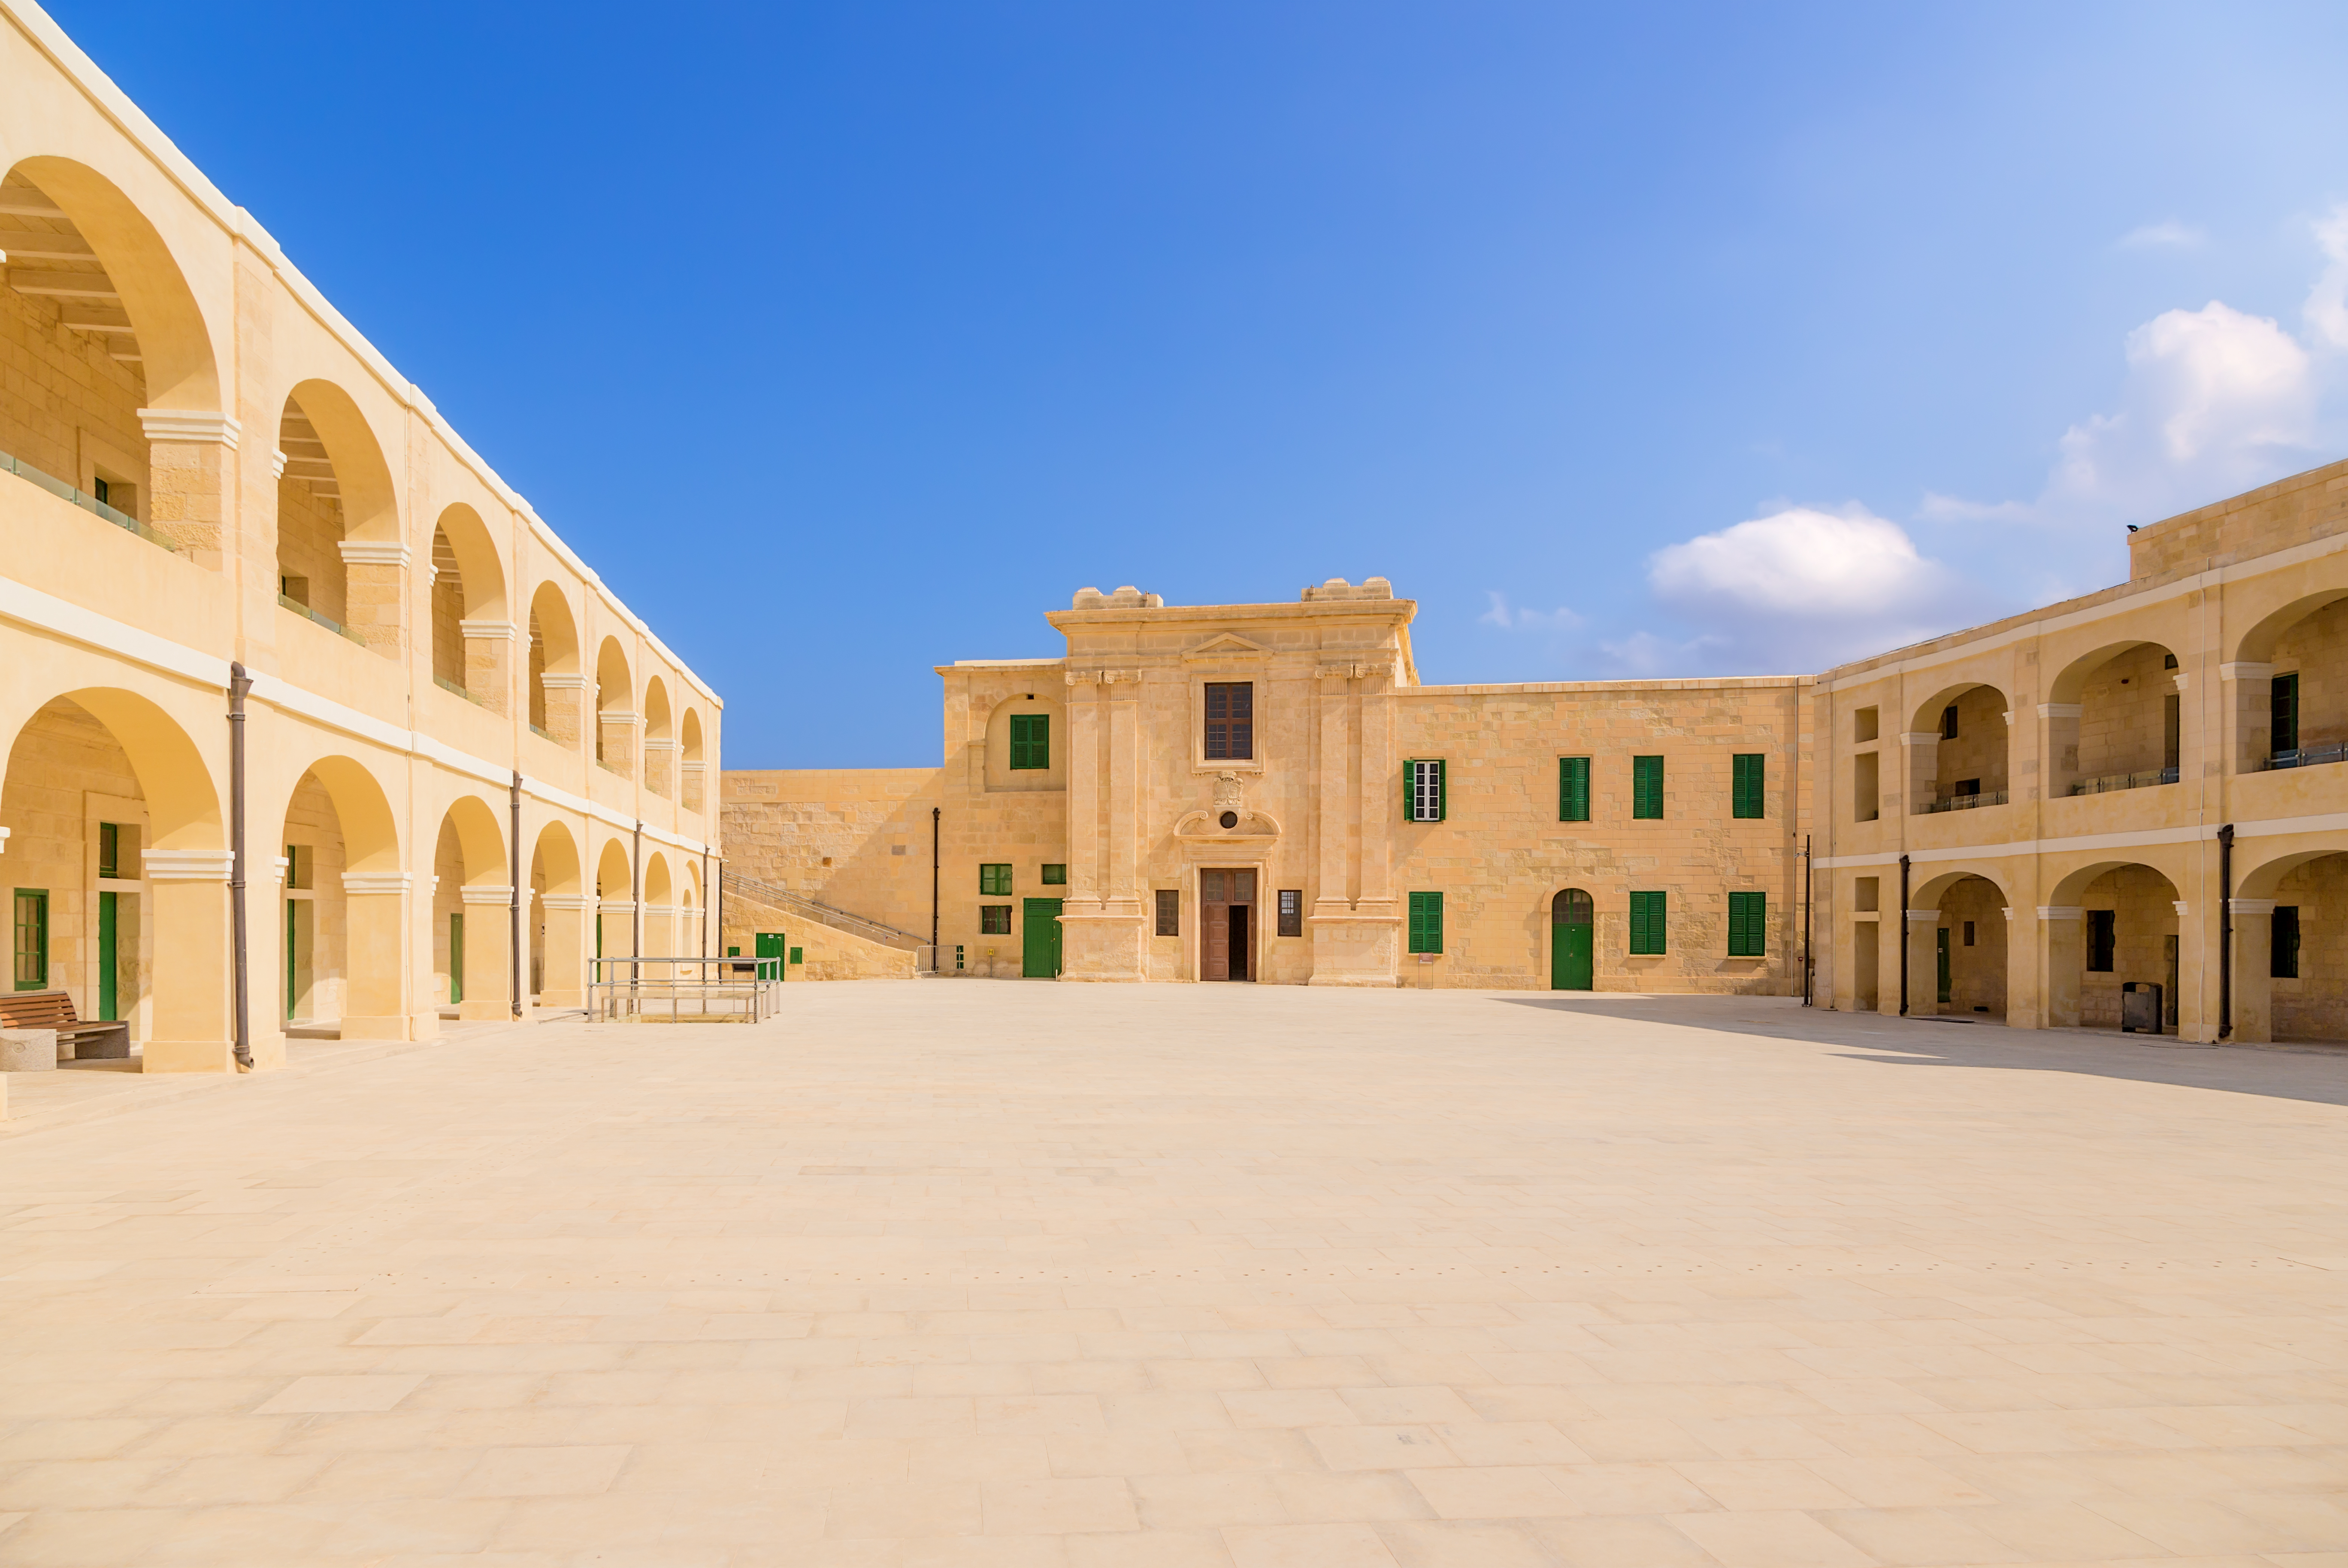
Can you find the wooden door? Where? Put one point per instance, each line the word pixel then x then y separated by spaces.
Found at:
pixel 1214 925
pixel 1039 939
pixel 1570 944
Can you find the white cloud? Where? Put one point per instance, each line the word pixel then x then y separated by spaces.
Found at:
pixel 2167 235
pixel 1511 618
pixel 2326 311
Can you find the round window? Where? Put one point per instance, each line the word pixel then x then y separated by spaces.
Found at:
pixel 1230 818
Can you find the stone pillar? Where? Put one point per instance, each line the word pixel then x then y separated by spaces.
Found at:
pixel 616 918
pixel 193 1029
pixel 1085 870
pixel 2062 957
pixel 689 784
pixel 375 980
pixel 2247 712
pixel 564 983
pixel 616 729
pixel 1363 945
pixel 488 947
pixel 2253 970
pixel 1920 761
pixel 488 655
pixel 375 577
pixel 660 758
pixel 566 696
pixel 189 454
pixel 1104 939
pixel 1923 963
pixel 2058 746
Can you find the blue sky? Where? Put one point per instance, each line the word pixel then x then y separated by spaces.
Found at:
pixel 846 341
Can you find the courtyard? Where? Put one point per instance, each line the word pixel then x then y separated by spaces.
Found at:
pixel 1054 1275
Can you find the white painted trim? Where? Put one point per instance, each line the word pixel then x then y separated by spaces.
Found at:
pixel 2252 906
pixel 2272 827
pixel 1922 737
pixel 495 631
pixel 563 901
pixel 500 896
pixel 2245 671
pixel 558 680
pixel 615 905
pixel 4 841
pixel 1932 915
pixel 2061 911
pixel 2061 710
pixel 653 744
pixel 187 865
pixel 375 552
pixel 196 425
pixel 277 461
pixel 357 884
pixel 46 613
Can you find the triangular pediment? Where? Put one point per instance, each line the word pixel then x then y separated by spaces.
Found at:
pixel 1225 645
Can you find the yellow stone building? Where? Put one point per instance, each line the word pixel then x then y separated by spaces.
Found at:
pixel 2054 814
pixel 216 494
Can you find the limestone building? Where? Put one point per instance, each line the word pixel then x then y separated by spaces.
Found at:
pixel 2122 808
pixel 454 734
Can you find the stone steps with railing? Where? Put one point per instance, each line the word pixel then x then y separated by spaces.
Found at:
pixel 841 920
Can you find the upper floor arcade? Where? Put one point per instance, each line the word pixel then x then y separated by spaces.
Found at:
pixel 197 446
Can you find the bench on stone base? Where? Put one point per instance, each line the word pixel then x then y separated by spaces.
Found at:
pixel 55 1010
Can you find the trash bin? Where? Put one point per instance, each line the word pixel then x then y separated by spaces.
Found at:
pixel 2139 1008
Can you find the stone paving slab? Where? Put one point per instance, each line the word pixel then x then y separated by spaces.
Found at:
pixel 1073 1275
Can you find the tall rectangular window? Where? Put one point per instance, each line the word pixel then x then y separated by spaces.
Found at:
pixel 1169 912
pixel 994 881
pixel 2172 732
pixel 1031 741
pixel 994 920
pixel 1573 788
pixel 1949 722
pixel 1422 790
pixel 1647 786
pixel 1426 923
pixel 2103 939
pixel 30 945
pixel 1646 923
pixel 1291 912
pixel 1230 721
pixel 2285 706
pixel 2285 965
pixel 1748 770
pixel 1748 922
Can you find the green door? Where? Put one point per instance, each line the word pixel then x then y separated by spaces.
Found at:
pixel 1039 939
pixel 771 944
pixel 108 1001
pixel 455 959
pixel 1571 934
pixel 1944 935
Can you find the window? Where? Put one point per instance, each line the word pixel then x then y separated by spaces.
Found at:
pixel 1230 721
pixel 995 881
pixel 1291 912
pixel 1750 772
pixel 1573 788
pixel 1965 787
pixel 1422 793
pixel 98 490
pixel 1748 924
pixel 1647 786
pixel 31 944
pixel 1031 741
pixel 1646 923
pixel 1969 933
pixel 2172 732
pixel 1426 923
pixel 2285 965
pixel 1949 722
pixel 799 954
pixel 1169 912
pixel 1866 792
pixel 298 867
pixel 2103 939
pixel 994 920
pixel 1053 876
pixel 2284 704
pixel 109 850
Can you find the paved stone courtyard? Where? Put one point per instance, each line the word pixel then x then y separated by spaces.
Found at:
pixel 1051 1275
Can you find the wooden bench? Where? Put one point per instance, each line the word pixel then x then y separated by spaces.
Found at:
pixel 55 1010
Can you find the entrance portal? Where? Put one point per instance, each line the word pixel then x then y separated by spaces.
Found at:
pixel 1571 931
pixel 1039 940
pixel 1226 926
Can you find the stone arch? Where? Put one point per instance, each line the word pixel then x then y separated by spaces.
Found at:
pixel 556 922
pixel 470 633
pixel 1970 765
pixel 2291 947
pixel 660 740
pixel 2115 720
pixel 1974 933
pixel 342 935
pixel 341 557
pixel 556 685
pixel 615 901
pixel 183 806
pixel 659 912
pixel 616 721
pixel 1000 774
pixel 2256 645
pixel 471 913
pixel 692 766
pixel 2111 923
pixel 2294 708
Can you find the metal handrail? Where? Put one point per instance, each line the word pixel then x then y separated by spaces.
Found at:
pixel 1964 802
pixel 89 503
pixel 2105 784
pixel 2311 756
pixel 747 990
pixel 815 909
pixel 331 624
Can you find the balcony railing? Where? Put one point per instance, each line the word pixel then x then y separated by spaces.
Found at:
pixel 331 624
pixel 91 504
pixel 614 773
pixel 2311 756
pixel 541 733
pixel 1964 802
pixel 445 683
pixel 2106 783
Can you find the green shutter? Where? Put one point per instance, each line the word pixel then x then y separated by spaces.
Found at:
pixel 994 881
pixel 1646 923
pixel 1419 771
pixel 1647 786
pixel 1031 741
pixel 1748 924
pixel 1745 791
pixel 31 939
pixel 455 959
pixel 1442 810
pixel 1573 788
pixel 1426 923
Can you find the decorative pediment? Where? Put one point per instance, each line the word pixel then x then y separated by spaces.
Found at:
pixel 1225 645
pixel 1250 830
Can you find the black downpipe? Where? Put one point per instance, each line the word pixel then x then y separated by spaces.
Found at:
pixel 936 966
pixel 516 940
pixel 1810 965
pixel 1903 936
pixel 241 956
pixel 2226 931
pixel 637 907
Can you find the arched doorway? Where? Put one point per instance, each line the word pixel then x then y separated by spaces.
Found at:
pixel 1958 963
pixel 1572 944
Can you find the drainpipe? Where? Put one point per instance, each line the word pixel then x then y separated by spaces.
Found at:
pixel 636 892
pixel 1903 936
pixel 1809 966
pixel 705 905
pixel 515 943
pixel 2226 931
pixel 935 967
pixel 241 956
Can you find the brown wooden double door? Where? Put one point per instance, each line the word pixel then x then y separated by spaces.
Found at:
pixel 1226 924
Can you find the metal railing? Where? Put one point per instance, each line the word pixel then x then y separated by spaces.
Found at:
pixel 614 773
pixel 541 733
pixel 331 624
pixel 89 503
pixel 2108 782
pixel 838 919
pixel 1964 802
pixel 2311 756
pixel 683 990
pixel 445 683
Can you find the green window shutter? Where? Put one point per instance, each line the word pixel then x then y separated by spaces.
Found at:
pixel 1573 788
pixel 1442 809
pixel 1745 791
pixel 31 939
pixel 1748 922
pixel 1031 741
pixel 1647 786
pixel 1646 923
pixel 1426 923
pixel 994 881
pixel 1422 790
